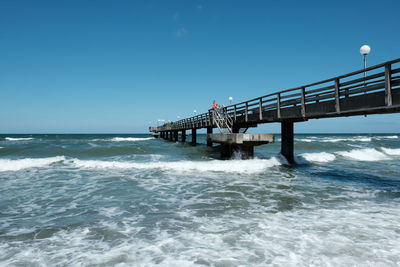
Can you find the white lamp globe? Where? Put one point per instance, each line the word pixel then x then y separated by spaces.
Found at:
pixel 365 49
pixel 230 99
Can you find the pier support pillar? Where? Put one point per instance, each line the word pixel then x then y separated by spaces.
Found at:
pixel 209 131
pixel 176 136
pixel 287 140
pixel 162 134
pixel 183 136
pixel 194 137
pixel 171 136
pixel 165 134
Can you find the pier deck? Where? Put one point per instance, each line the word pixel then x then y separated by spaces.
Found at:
pixel 375 90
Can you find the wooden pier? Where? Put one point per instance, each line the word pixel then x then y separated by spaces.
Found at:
pixel 350 94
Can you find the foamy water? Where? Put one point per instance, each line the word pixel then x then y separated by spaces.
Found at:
pixel 91 200
pixel 130 139
pixel 19 164
pixel 18 139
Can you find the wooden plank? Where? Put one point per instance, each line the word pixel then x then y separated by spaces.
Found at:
pixel 388 86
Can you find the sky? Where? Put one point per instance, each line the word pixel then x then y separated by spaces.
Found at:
pixel 93 66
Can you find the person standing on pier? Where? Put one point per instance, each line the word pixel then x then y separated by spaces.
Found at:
pixel 214 105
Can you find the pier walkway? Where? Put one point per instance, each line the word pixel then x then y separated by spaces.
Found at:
pixel 375 90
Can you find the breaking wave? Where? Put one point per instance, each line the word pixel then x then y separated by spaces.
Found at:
pixel 315 157
pixel 231 166
pixel 19 164
pixel 391 151
pixel 130 139
pixel 387 137
pixel 334 140
pixel 124 139
pixel 18 139
pixel 344 139
pixel 367 154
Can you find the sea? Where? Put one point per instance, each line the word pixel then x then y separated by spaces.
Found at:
pixel 134 200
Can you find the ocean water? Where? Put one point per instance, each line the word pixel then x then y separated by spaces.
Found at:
pixel 132 200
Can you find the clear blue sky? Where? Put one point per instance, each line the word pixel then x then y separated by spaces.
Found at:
pixel 117 66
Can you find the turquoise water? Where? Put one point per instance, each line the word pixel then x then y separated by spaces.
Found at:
pixel 131 200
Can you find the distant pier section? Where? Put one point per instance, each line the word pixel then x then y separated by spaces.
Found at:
pixel 374 90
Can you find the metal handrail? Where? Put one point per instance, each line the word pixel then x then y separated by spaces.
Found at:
pixel 301 96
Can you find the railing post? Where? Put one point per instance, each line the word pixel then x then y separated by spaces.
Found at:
pixel 388 86
pixel 246 112
pixel 303 102
pixel 260 109
pixel 234 112
pixel 337 98
pixel 278 104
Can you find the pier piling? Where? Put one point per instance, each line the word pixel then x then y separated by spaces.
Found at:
pixel 287 140
pixel 209 131
pixel 183 136
pixel 194 137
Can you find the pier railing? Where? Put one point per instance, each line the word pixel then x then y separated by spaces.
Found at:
pixel 367 91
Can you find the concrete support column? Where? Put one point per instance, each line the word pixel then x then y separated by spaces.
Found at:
pixel 162 134
pixel 209 131
pixel 165 135
pixel 287 140
pixel 176 136
pixel 171 136
pixel 194 137
pixel 183 136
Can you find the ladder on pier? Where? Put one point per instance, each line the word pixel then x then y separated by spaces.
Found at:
pixel 222 119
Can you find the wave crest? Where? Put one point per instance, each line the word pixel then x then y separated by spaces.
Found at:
pixel 19 138
pixel 231 166
pixel 130 139
pixel 316 157
pixel 391 151
pixel 367 154
pixel 19 164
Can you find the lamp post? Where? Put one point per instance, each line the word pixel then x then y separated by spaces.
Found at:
pixel 230 100
pixel 194 112
pixel 364 50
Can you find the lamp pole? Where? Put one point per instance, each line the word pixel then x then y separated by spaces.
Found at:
pixel 230 100
pixel 364 50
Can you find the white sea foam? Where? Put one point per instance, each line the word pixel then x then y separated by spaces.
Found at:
pixel 131 139
pixel 18 139
pixel 19 164
pixel 391 151
pixel 317 157
pixel 387 137
pixel 307 140
pixel 355 139
pixel 335 140
pixel 232 166
pixel 367 154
